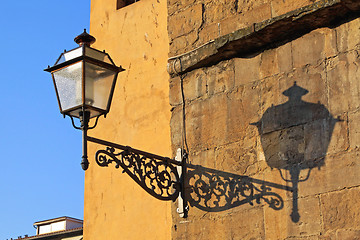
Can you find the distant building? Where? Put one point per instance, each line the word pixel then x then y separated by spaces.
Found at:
pixel 61 228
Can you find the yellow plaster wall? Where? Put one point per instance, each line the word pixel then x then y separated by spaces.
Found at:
pixel 136 38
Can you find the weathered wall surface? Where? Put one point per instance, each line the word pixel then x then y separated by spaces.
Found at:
pixel 273 139
pixel 136 38
pixel 193 23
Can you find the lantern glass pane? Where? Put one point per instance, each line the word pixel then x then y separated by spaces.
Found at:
pixel 77 52
pixel 98 85
pixel 68 82
pixel 101 56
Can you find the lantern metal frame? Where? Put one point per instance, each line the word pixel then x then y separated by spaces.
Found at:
pixel 85 40
pixel 161 177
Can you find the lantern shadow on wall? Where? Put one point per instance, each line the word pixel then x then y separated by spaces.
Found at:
pixel 295 137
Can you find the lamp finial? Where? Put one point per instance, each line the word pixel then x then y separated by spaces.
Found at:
pixel 85 39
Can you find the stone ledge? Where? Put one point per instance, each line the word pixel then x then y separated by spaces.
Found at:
pixel 266 34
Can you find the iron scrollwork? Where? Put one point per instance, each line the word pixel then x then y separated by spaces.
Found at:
pixel 159 177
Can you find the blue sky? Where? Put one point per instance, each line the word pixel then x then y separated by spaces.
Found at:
pixel 40 172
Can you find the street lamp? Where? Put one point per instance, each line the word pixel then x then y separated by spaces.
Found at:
pixel 84 80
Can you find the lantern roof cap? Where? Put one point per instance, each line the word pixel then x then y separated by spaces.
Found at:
pixel 84 39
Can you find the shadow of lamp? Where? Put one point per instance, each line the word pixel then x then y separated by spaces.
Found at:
pixel 295 136
pixel 84 80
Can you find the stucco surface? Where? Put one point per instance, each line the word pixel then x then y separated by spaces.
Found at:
pixel 136 38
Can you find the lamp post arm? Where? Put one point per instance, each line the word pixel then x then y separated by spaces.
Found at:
pixel 156 174
pixel 128 148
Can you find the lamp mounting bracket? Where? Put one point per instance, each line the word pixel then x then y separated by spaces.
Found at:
pixel 161 177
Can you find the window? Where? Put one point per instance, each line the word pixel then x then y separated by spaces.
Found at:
pixel 124 3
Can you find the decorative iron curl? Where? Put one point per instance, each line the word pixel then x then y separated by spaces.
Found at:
pixel 157 177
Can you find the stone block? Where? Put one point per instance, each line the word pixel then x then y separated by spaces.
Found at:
pixel 278 224
pixel 206 124
pixel 220 78
pixel 354 130
pixel 266 64
pixel 313 47
pixel 260 165
pixel 269 63
pixel 195 84
pixel 246 5
pixel 279 7
pixel 230 24
pixel 285 148
pixel 339 209
pixel 348 36
pixel 183 43
pixel 330 43
pixel 185 21
pixel 341 234
pixel 178 5
pixel 175 92
pixel 247 70
pixel 284 58
pixel 176 128
pixel 308 49
pixel 339 138
pixel 337 72
pixel 258 13
pixel 313 79
pixel 249 225
pixel 243 108
pixel 193 126
pixel 246 18
pixel 205 158
pixel 310 78
pixel 215 11
pixel 317 135
pixel 209 32
pixel 337 172
pixel 344 83
pixel 237 157
pixel 270 93
pixel 214 121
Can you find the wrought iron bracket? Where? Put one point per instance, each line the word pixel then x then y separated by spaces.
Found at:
pixel 161 177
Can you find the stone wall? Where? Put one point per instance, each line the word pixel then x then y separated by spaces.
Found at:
pixel 272 135
pixel 192 23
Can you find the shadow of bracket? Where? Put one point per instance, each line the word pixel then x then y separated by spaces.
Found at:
pixel 213 191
